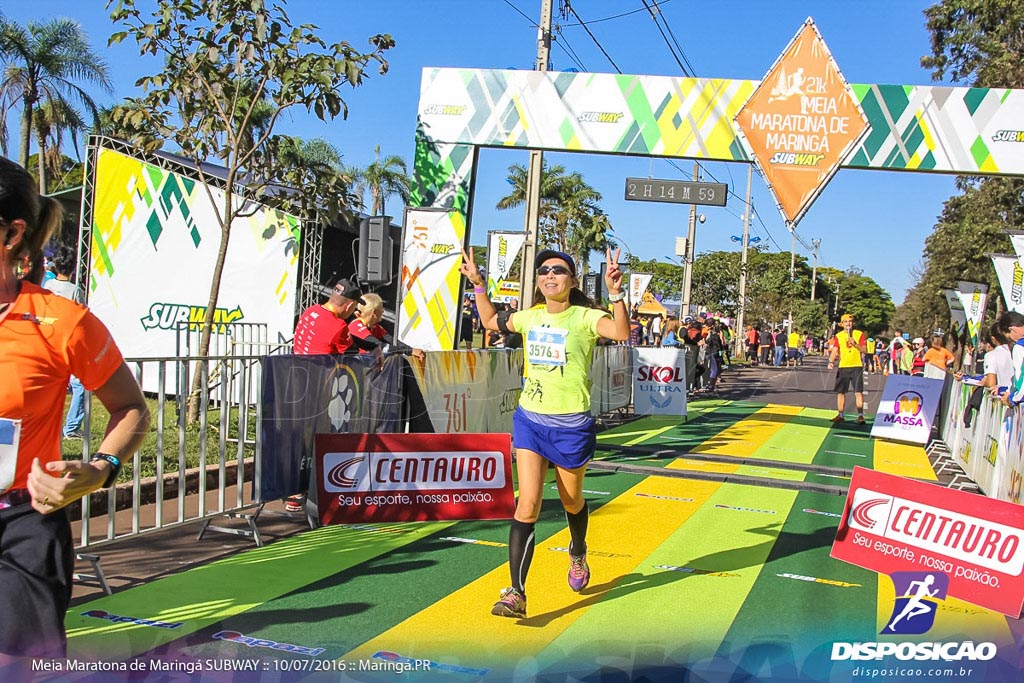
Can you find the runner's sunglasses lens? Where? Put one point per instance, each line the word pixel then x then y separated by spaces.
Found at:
pixel 557 270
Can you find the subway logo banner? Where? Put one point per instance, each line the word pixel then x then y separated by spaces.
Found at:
pixel 155 240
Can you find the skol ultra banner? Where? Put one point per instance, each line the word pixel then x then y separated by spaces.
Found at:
pixel 502 250
pixel 893 524
pixel 957 314
pixel 1010 271
pixel 638 283
pixel 155 240
pixel 907 409
pixel 413 477
pixel 429 290
pixel 973 297
pixel 659 381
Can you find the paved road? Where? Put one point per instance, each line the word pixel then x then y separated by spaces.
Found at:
pixel 809 385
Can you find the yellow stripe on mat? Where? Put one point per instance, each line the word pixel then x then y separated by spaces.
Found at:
pixel 902 460
pixel 623 533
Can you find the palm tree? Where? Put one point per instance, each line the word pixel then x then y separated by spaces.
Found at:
pixel 570 219
pixel 313 168
pixel 383 179
pixel 51 119
pixel 43 61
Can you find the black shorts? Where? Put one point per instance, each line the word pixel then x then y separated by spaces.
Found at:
pixel 850 377
pixel 36 565
pixel 466 333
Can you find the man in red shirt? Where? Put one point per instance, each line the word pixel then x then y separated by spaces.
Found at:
pixel 323 328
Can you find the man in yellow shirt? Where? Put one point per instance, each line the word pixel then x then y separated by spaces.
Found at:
pixel 793 342
pixel 849 346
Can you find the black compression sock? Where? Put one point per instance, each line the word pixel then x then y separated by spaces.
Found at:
pixel 578 530
pixel 520 553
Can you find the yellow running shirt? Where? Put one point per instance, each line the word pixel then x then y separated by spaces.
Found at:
pixel 849 354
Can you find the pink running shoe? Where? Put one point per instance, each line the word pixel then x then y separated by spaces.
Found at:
pixel 579 572
pixel 511 604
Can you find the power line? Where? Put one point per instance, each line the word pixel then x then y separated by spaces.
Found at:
pixel 619 16
pixel 586 28
pixel 568 48
pixel 654 16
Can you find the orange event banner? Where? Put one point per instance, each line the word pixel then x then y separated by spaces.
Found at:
pixel 801 122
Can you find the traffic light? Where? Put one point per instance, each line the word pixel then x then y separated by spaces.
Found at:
pixel 375 250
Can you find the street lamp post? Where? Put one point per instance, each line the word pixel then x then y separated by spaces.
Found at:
pixel 742 303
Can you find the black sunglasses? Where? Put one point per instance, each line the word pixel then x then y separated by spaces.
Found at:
pixel 557 270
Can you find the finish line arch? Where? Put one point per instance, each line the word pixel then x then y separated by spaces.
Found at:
pixel 928 129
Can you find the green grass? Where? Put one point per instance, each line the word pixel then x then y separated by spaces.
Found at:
pixel 193 439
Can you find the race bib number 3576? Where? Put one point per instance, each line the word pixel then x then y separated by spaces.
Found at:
pixel 546 346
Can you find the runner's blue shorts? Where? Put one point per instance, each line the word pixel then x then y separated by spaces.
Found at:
pixel 565 440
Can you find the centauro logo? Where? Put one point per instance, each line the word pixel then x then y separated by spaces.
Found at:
pixel 1009 136
pixel 442 248
pixel 167 316
pixel 444 109
pixel 796 159
pixel 600 117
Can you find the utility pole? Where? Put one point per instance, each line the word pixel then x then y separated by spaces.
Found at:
pixel 814 273
pixel 792 270
pixel 536 168
pixel 684 307
pixel 742 305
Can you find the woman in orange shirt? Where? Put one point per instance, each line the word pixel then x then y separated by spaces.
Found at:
pixel 938 355
pixel 44 339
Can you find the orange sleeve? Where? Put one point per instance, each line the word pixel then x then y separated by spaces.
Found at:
pixel 92 354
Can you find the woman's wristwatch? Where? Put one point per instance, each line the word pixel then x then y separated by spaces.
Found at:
pixel 616 298
pixel 115 467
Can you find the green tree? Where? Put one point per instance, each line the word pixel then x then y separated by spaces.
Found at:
pixel 52 119
pixel 978 42
pixel 570 219
pixel 222 59
pixel 45 62
pixel 314 177
pixel 383 178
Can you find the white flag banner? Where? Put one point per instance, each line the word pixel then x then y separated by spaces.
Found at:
pixel 1010 271
pixel 637 286
pixel 430 289
pixel 502 249
pixel 973 297
pixel 957 314
pixel 1017 240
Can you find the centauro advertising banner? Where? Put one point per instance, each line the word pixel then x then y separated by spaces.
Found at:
pixel 801 122
pixel 973 297
pixel 155 240
pixel 502 250
pixel 893 524
pixel 659 381
pixel 1010 271
pixel 907 409
pixel 413 477
pixel 429 290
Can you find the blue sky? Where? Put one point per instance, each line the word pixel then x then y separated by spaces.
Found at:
pixel 873 220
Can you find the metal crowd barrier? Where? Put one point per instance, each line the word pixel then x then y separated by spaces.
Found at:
pixel 225 437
